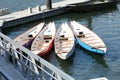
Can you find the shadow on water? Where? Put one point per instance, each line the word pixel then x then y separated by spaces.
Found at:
pixel 66 65
pixel 97 57
pixel 48 55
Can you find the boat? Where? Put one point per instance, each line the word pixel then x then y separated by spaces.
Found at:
pixel 44 41
pixel 64 42
pixel 26 38
pixel 93 5
pixel 88 39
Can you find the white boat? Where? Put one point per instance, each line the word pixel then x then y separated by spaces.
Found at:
pixel 64 42
pixel 43 42
pixel 26 38
pixel 88 39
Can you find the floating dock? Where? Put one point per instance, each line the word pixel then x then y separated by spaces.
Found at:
pixel 40 12
pixel 32 14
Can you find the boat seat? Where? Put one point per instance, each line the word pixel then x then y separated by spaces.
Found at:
pixel 85 35
pixel 47 38
pixel 80 32
pixel 46 41
pixel 62 35
pixel 63 39
pixel 30 35
pixel 81 35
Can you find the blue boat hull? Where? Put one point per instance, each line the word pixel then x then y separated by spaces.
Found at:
pixel 89 48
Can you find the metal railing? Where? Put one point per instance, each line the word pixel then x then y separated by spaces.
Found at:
pixel 31 66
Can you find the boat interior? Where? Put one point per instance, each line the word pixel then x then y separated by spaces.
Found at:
pixel 81 34
pixel 47 38
pixel 90 40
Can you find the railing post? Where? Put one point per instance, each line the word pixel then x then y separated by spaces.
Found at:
pixel 34 65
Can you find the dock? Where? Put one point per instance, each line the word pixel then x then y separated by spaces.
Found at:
pixel 41 12
pixel 36 13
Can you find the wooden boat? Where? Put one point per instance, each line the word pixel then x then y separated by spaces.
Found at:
pixel 88 39
pixel 43 43
pixel 26 38
pixel 64 42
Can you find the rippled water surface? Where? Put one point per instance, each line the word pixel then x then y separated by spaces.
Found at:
pixel 82 65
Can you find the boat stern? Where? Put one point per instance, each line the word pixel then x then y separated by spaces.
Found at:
pixel 90 48
pixel 62 55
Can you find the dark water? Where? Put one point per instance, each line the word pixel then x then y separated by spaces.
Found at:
pixel 82 65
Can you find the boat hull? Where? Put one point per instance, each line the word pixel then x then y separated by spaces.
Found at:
pixel 43 42
pixel 27 38
pixel 71 52
pixel 43 53
pixel 68 54
pixel 64 42
pixel 89 48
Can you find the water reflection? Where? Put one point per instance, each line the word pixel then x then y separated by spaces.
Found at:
pixel 66 65
pixel 97 57
pixel 89 22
